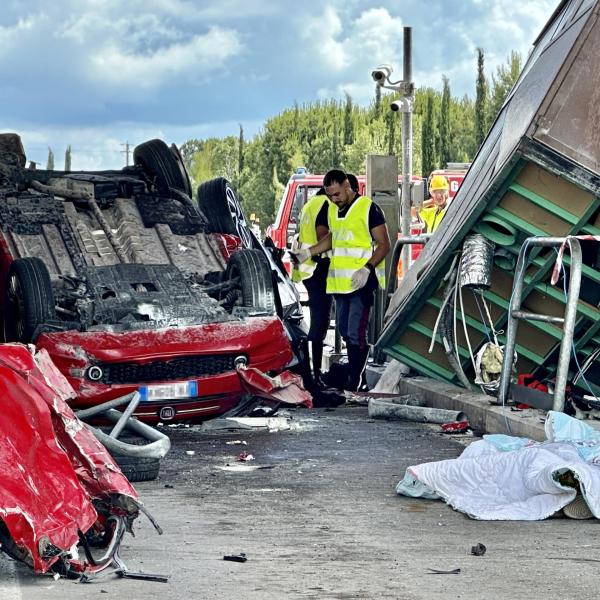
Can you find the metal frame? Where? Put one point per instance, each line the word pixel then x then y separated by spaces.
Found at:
pixel 568 321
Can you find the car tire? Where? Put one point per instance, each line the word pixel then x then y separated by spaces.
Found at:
pixel 138 469
pixel 220 205
pixel 256 280
pixel 28 301
pixel 163 165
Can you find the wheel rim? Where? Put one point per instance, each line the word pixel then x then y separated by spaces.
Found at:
pixel 239 221
pixel 16 309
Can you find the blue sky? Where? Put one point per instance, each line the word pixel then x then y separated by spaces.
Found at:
pixel 97 73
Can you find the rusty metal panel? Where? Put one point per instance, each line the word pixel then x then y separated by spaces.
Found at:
pixel 570 123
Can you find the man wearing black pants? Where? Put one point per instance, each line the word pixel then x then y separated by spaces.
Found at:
pixel 359 242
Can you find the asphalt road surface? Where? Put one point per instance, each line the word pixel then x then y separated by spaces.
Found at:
pixel 321 520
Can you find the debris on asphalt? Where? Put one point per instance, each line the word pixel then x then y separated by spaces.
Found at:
pixel 243 468
pixel 478 550
pixel 384 409
pixel 190 452
pixel 237 443
pixel 455 427
pixel 438 572
pixel 245 457
pixel 241 557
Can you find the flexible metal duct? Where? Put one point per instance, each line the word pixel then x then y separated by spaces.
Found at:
pixel 476 262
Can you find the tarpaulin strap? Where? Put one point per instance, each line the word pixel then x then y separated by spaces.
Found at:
pixel 559 259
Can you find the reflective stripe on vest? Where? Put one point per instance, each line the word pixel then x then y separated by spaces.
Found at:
pixel 308 236
pixel 352 246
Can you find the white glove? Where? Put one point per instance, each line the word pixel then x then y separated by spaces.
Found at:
pixel 359 278
pixel 295 244
pixel 302 255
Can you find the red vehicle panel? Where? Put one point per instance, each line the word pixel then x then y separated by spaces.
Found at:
pixel 128 285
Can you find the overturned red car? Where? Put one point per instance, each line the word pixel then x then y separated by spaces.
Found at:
pixel 130 285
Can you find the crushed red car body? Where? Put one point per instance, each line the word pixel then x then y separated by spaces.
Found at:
pixel 60 487
pixel 130 285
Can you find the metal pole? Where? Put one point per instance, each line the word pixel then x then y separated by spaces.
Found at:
pixel 406 145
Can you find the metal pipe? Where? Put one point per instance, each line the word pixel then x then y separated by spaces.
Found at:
pixel 564 356
pixel 96 410
pixel 122 422
pixel 529 316
pixel 406 143
pixel 380 409
pixel 515 314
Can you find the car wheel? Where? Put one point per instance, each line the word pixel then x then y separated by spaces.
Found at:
pixel 138 469
pixel 256 281
pixel 163 165
pixel 29 299
pixel 218 202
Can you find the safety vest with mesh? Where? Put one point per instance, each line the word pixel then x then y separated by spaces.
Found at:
pixel 308 236
pixel 352 246
pixel 432 217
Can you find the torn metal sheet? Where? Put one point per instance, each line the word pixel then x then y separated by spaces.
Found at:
pixel 286 388
pixel 58 481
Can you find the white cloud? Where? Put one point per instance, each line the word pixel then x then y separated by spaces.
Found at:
pixel 201 54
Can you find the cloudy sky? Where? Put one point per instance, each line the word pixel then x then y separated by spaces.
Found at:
pixel 97 73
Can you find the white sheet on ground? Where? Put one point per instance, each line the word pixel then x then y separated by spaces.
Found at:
pixel 510 478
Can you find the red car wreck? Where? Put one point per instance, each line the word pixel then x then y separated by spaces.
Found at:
pixel 64 504
pixel 128 284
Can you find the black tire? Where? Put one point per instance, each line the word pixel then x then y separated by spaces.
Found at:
pixel 256 281
pixel 163 165
pixel 28 301
pixel 138 469
pixel 219 204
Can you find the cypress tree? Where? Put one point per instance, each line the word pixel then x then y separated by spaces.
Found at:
pixel 444 131
pixel 348 125
pixel 50 162
pixel 427 137
pixel 480 101
pixel 68 158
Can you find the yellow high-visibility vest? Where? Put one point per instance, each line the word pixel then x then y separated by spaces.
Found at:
pixel 308 236
pixel 352 246
pixel 432 217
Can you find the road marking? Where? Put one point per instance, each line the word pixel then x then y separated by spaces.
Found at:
pixel 9 580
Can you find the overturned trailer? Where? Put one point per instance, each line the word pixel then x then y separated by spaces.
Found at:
pixel 536 174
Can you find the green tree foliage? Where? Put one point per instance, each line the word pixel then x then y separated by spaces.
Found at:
pixel 502 82
pixel 427 134
pixel 50 161
pixel 348 122
pixel 480 100
pixel 326 134
pixel 68 159
pixel 444 132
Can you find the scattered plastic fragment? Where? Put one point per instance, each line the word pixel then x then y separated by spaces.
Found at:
pixel 190 452
pixel 455 427
pixel 245 457
pixel 438 572
pixel 241 557
pixel 237 443
pixel 478 550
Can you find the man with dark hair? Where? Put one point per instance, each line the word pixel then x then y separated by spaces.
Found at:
pixel 359 242
pixel 313 274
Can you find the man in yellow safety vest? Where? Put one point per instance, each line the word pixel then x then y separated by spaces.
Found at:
pixel 433 215
pixel 313 274
pixel 359 241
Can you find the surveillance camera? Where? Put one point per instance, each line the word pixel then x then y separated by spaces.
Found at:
pixel 381 74
pixel 403 105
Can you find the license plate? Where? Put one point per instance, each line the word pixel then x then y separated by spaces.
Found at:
pixel 168 391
